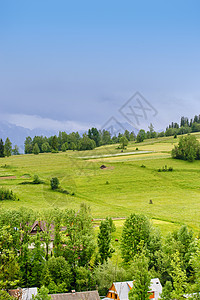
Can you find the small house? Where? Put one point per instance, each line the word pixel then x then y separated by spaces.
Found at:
pixel 120 290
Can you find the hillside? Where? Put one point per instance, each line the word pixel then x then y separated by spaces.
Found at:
pixel 127 184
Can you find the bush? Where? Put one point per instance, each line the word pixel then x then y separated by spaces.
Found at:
pixel 54 183
pixel 188 149
pixel 36 180
pixel 165 169
pixel 6 194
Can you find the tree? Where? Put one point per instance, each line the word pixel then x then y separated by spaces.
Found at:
pixel 94 135
pixel 42 294
pixel 9 268
pixel 59 270
pixel 86 143
pixel 104 241
pixel 123 142
pixel 105 137
pixel 140 136
pixel 8 147
pixel 136 230
pixel 36 149
pixel 188 148
pixel 5 296
pixel 2 148
pixel 15 150
pixel 45 147
pixel 54 183
pixel 80 237
pixel 37 259
pixel 54 144
pixel 28 145
pixel 178 276
pixel 195 263
pixel 106 274
pixel 167 291
pixel 141 278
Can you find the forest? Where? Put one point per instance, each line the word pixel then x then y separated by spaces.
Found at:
pixel 81 257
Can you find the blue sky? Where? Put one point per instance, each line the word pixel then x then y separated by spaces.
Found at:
pixel 73 64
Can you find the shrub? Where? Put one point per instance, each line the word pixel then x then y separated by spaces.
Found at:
pixel 54 183
pixel 6 194
pixel 37 180
pixel 188 148
pixel 165 169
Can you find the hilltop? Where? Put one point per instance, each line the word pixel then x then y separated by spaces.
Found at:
pixel 127 184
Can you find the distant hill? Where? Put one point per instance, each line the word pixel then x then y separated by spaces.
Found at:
pixel 18 134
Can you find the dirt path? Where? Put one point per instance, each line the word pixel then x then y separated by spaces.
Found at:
pixel 7 177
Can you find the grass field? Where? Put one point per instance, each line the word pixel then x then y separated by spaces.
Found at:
pixel 127 184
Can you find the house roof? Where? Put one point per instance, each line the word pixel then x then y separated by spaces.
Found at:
pixel 42 227
pixel 123 288
pixel 90 295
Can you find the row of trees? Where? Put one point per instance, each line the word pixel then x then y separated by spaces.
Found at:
pixel 73 141
pixel 6 149
pixel 80 260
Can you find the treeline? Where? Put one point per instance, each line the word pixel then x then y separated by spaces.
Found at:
pixel 6 149
pixel 80 259
pixel 185 126
pixel 73 141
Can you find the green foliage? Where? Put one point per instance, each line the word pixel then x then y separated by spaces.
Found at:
pixel 54 183
pixel 45 147
pixel 94 135
pixel 80 238
pixel 8 147
pixel 54 144
pixel 123 142
pixel 86 143
pixel 165 169
pixel 42 294
pixel 5 296
pixel 28 145
pixel 2 154
pixel 141 278
pixel 178 276
pixel 106 274
pixel 15 150
pixel 36 149
pixel 59 272
pixel 9 268
pixel 104 241
pixel 136 230
pixel 6 194
pixel 167 291
pixel 37 180
pixel 188 149
pixel 141 136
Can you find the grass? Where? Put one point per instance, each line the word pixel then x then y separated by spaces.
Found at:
pixel 122 188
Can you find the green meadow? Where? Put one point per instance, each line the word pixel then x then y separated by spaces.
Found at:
pixel 127 184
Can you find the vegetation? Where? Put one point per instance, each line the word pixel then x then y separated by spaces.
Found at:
pixel 188 149
pixel 6 194
pixel 54 183
pixel 75 262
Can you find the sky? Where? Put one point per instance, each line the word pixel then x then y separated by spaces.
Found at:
pixel 71 65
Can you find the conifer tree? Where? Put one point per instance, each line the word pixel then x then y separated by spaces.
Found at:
pixel 2 148
pixel 8 147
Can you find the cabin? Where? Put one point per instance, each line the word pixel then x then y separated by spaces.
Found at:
pixel 120 290
pixel 41 226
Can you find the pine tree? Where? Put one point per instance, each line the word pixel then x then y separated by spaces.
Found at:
pixel 8 147
pixel 36 149
pixel 1 148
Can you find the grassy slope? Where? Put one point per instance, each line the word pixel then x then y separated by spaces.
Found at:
pixel 175 195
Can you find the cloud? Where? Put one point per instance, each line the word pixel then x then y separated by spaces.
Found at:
pixel 37 122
